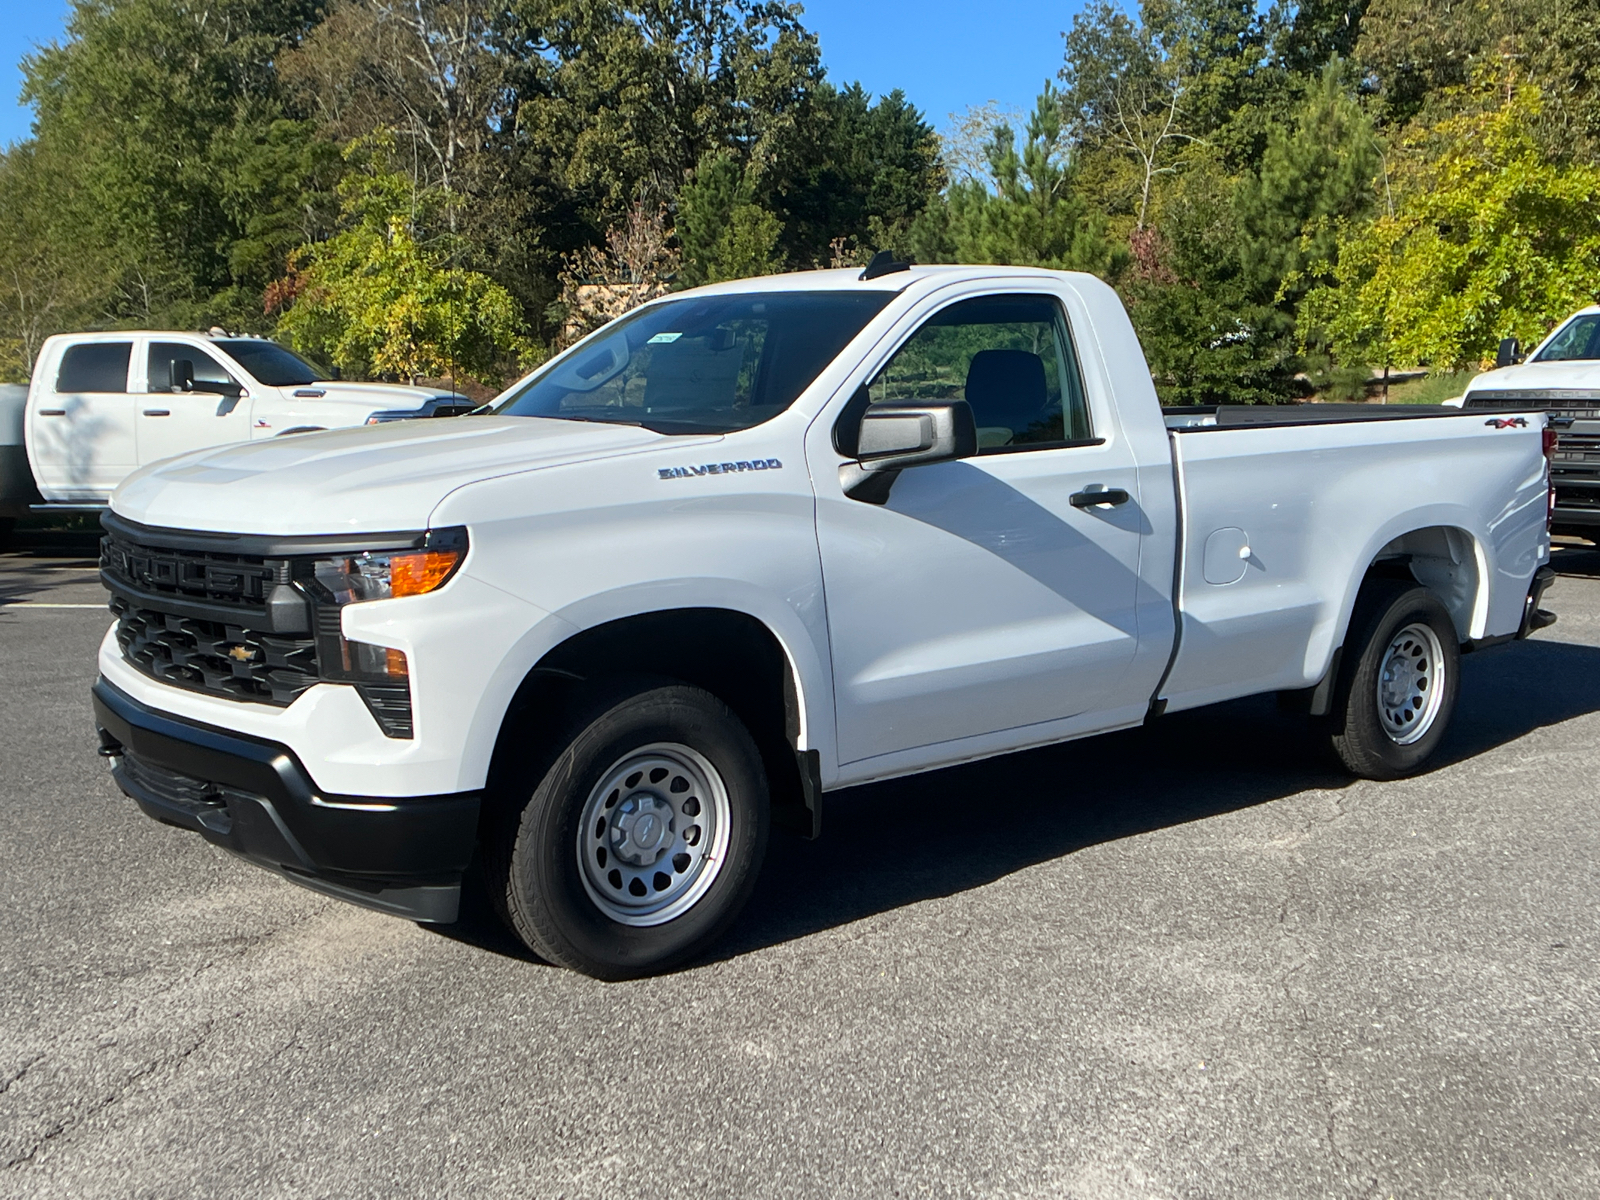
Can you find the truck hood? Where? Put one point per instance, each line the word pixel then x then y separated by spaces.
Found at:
pixel 386 395
pixel 370 479
pixel 1581 374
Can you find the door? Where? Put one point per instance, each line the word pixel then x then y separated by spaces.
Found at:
pixel 83 430
pixel 176 417
pixel 980 597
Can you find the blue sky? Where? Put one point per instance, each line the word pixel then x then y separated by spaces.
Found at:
pixel 945 55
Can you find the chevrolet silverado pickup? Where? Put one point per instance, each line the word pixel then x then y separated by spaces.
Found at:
pixel 1561 378
pixel 756 543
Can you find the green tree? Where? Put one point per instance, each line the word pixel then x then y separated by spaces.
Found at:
pixel 141 113
pixel 1028 212
pixel 724 233
pixel 1422 56
pixel 45 286
pixel 1488 238
pixel 855 170
pixel 375 299
pixel 1209 335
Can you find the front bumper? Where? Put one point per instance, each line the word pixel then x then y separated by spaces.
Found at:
pixel 404 856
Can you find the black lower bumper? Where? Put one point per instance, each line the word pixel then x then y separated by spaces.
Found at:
pixel 1533 617
pixel 253 797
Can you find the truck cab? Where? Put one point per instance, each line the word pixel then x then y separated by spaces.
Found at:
pixel 101 405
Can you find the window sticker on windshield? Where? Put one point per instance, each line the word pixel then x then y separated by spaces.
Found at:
pixel 664 337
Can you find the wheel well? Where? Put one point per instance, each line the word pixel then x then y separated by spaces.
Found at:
pixel 1442 559
pixel 730 654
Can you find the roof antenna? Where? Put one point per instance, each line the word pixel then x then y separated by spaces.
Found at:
pixel 883 263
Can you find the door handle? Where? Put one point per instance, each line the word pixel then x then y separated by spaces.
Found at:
pixel 1092 499
pixel 52 412
pixel 158 412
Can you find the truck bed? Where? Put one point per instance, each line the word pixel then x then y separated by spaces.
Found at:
pixel 1189 417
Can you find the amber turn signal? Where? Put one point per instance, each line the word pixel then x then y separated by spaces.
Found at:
pixel 420 573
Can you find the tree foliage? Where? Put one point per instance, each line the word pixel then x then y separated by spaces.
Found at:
pixel 1028 209
pixel 1488 239
pixel 1285 196
pixel 374 299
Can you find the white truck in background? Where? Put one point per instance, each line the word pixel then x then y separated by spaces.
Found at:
pixel 101 405
pixel 17 492
pixel 763 541
pixel 1561 378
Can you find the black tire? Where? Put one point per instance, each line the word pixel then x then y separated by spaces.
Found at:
pixel 540 879
pixel 1379 741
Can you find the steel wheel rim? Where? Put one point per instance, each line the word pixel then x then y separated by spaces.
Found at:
pixel 653 835
pixel 1411 684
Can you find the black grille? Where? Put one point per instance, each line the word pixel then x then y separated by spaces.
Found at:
pixel 214 656
pixel 194 619
pixel 1558 402
pixel 204 577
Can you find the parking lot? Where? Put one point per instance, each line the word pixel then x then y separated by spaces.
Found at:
pixel 1188 961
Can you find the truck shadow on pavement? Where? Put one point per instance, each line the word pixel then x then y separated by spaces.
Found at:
pixel 897 843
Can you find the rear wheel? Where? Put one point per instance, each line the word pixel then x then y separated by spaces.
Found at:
pixel 640 844
pixel 1400 690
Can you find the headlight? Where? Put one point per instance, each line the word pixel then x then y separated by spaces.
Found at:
pixel 391 574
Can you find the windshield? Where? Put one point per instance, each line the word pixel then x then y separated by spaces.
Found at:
pixel 707 364
pixel 1578 339
pixel 270 363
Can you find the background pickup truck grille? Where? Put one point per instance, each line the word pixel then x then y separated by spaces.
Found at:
pixel 227 579
pixel 215 656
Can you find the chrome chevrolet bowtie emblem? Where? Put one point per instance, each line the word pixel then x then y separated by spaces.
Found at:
pixel 241 653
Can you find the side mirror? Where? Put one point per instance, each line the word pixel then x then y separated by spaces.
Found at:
pixel 182 375
pixel 891 437
pixel 894 436
pixel 1509 354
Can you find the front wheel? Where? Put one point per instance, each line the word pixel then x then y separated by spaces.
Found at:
pixel 1400 690
pixel 642 841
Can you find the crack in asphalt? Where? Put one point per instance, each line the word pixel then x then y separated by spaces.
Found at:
pixel 175 1060
pixel 5 1085
pixel 1320 1075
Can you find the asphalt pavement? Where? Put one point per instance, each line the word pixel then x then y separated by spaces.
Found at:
pixel 1189 961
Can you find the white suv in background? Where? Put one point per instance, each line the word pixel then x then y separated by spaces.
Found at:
pixel 102 405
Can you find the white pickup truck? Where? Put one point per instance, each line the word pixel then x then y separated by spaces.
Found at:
pixel 101 405
pixel 755 543
pixel 1561 378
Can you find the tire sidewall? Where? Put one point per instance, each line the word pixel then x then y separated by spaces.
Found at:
pixel 1378 754
pixel 545 875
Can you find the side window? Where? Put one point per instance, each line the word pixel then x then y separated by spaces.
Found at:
pixel 164 354
pixel 95 367
pixel 1010 357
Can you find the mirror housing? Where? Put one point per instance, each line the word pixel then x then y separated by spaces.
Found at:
pixel 182 375
pixel 1509 354
pixel 894 436
pixel 216 387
